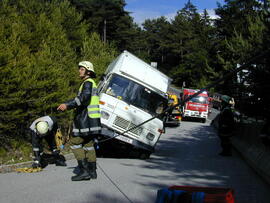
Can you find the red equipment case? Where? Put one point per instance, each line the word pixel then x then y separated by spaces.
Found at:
pixel 212 194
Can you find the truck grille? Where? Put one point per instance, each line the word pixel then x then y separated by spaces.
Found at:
pixel 125 125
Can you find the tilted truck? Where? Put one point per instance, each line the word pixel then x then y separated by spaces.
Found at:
pixel 197 106
pixel 132 92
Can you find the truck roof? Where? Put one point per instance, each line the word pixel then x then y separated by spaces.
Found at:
pixel 135 68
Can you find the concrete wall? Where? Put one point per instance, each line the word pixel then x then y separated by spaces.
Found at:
pixel 247 142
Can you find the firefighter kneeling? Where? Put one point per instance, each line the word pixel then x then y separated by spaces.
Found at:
pixel 45 127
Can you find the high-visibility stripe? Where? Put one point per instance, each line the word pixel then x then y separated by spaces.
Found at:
pixel 93 112
pixel 84 130
pixel 88 148
pixel 76 146
pixel 78 102
pixel 35 149
pixel 95 128
pixel 93 106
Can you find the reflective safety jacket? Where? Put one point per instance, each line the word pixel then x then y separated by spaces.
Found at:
pixel 87 113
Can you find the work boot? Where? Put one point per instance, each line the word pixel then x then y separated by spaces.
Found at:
pixel 92 169
pixel 78 169
pixel 60 162
pixel 84 174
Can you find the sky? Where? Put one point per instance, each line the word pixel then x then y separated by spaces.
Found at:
pixel 141 10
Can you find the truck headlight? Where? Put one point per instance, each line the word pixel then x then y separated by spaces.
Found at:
pixel 105 115
pixel 150 136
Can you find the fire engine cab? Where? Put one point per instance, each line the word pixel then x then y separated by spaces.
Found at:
pixel 197 107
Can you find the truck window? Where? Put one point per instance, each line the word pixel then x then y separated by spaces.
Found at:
pixel 135 94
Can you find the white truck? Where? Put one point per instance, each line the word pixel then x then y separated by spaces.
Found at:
pixel 132 92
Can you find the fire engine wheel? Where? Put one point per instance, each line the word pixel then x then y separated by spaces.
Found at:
pixel 203 120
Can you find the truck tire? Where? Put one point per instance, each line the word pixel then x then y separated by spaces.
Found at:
pixel 144 155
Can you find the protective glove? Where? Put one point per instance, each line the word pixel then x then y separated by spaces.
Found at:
pixel 55 152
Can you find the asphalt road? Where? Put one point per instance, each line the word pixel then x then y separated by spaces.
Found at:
pixel 186 155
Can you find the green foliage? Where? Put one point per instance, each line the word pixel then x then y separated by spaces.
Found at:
pixel 3 152
pixel 3 155
pixel 243 33
pixel 156 32
pixel 100 54
pixel 190 43
pixel 18 151
pixel 109 19
pixel 41 44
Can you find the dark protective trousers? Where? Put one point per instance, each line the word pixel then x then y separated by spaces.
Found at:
pixel 225 143
pixel 83 148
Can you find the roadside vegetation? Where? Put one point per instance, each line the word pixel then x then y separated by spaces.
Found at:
pixel 42 42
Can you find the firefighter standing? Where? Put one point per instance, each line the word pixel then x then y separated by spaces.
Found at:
pixel 226 125
pixel 45 127
pixel 86 123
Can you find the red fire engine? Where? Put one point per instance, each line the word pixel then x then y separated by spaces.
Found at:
pixel 197 106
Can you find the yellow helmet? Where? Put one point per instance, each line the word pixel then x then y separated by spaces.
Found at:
pixel 87 65
pixel 42 127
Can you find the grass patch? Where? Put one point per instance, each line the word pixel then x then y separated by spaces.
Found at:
pixel 18 151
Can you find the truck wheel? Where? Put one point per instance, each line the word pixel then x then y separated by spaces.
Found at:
pixel 203 120
pixel 144 155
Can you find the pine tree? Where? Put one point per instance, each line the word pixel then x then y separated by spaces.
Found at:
pixel 190 42
pixel 109 19
pixel 156 32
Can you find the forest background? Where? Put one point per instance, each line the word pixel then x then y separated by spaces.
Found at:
pixel 43 40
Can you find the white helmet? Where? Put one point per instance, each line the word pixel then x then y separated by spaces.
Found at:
pixel 42 127
pixel 87 65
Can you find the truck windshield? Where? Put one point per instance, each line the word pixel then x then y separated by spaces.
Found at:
pixel 199 99
pixel 135 94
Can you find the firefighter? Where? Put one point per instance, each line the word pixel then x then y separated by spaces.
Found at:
pixel 45 127
pixel 86 123
pixel 226 125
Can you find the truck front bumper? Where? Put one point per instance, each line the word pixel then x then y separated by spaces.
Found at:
pixel 196 114
pixel 108 133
